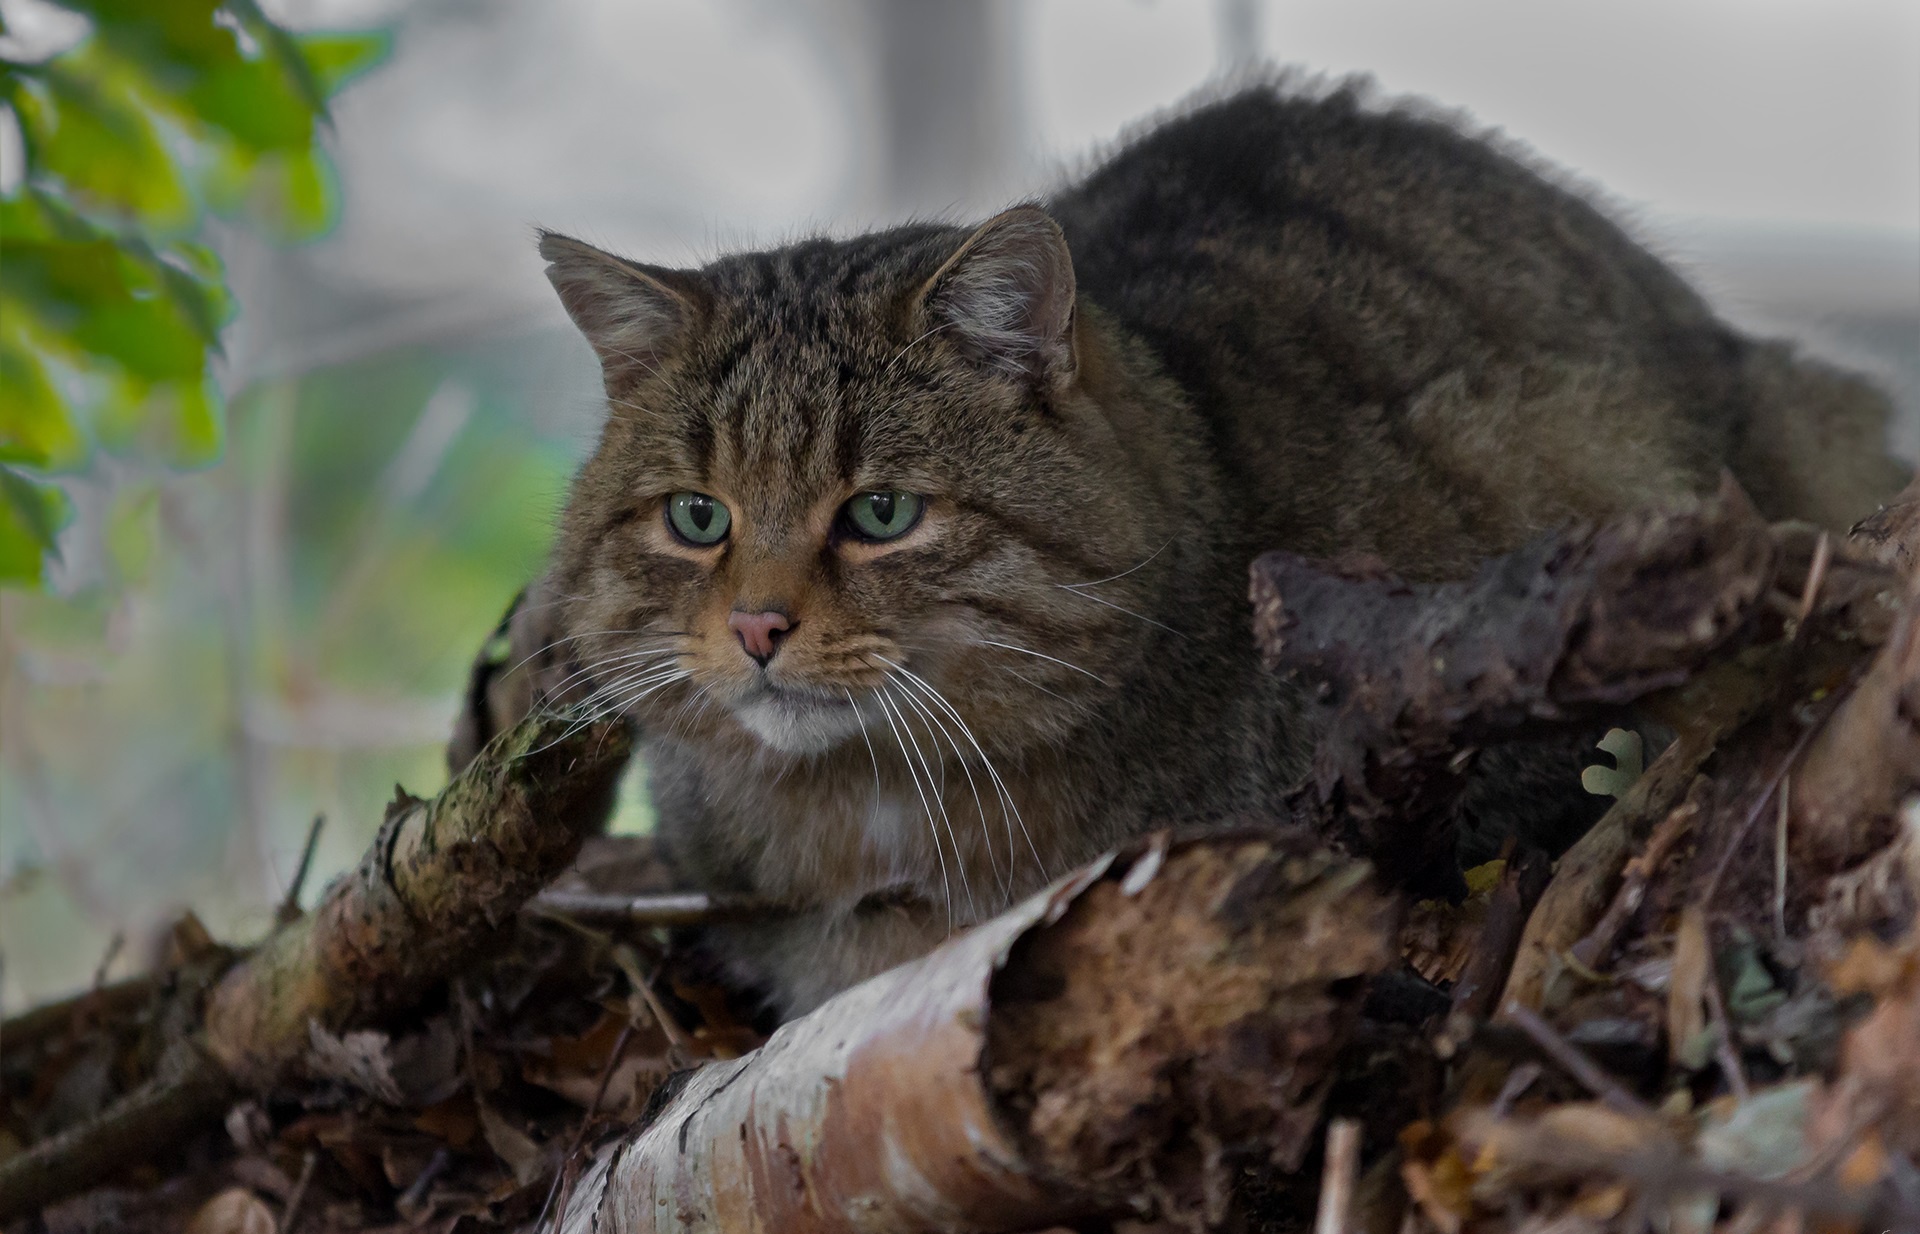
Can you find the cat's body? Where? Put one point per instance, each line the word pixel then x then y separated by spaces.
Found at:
pixel 1278 322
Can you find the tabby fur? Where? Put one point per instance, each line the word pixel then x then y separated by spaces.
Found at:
pixel 1288 317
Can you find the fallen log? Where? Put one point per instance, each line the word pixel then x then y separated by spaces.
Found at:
pixel 188 1091
pixel 1123 1043
pixel 432 892
pixel 1410 677
pixel 434 888
pixel 1866 760
pixel 1891 534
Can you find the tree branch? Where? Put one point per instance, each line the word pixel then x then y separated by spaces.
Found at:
pixel 433 889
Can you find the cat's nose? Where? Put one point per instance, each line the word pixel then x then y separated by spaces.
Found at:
pixel 759 633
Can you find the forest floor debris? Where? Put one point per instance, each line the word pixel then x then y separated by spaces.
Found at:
pixel 1704 1017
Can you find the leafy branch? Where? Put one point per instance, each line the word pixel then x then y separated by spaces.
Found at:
pixel 162 112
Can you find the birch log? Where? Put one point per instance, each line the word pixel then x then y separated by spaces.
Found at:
pixel 1125 1042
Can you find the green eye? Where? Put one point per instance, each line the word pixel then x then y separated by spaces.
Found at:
pixel 698 518
pixel 883 516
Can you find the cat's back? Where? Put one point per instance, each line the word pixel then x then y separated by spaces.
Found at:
pixel 1359 202
pixel 1407 339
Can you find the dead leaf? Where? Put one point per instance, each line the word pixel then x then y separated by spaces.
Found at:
pixel 419 1069
pixel 1891 534
pixel 1439 937
pixel 1880 1062
pixel 234 1211
pixel 1601 1201
pixel 574 1065
pixel 403 1161
pixel 187 940
pixel 1687 985
pixel 1764 1136
pixel 1597 1127
pixel 426 1064
pixel 358 1060
pixel 1441 1190
pixel 1435 1176
pixel 526 1159
pixel 1629 761
pixel 1867 1163
pixel 454 1122
pixel 262 1175
pixel 1870 966
pixel 249 1127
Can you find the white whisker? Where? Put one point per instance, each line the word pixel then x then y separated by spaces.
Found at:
pixel 1007 804
pixel 871 756
pixel 1120 609
pixel 939 800
pixel 979 807
pixel 1114 577
pixel 1017 675
pixel 945 884
pixel 601 666
pixel 569 638
pixel 1028 651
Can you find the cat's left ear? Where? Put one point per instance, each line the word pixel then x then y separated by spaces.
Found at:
pixel 635 316
pixel 1006 297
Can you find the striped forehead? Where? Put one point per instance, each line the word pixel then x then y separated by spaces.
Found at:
pixel 799 377
pixel 791 372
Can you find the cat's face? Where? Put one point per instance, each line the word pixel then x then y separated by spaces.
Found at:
pixel 848 492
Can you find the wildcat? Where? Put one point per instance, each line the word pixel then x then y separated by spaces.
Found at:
pixel 919 558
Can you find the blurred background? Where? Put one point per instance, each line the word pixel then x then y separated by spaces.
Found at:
pixel 224 651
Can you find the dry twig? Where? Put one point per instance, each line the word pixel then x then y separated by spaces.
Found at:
pixel 1337 1178
pixel 1576 1062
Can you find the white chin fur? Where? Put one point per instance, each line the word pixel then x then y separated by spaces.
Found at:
pixel 798 726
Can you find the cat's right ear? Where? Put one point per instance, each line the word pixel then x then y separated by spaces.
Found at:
pixel 633 315
pixel 1007 297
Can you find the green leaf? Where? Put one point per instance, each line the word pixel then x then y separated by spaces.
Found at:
pixel 116 300
pixel 83 123
pixel 254 102
pixel 295 191
pixel 299 189
pixel 229 68
pixel 164 35
pixel 109 307
pixel 108 317
pixel 39 215
pixel 284 50
pixel 336 59
pixel 35 426
pixel 202 297
pixel 31 516
pixel 176 422
pixel 1624 745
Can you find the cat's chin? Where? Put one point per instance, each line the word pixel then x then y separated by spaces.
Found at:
pixel 796 724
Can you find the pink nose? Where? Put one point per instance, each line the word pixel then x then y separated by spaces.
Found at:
pixel 759 633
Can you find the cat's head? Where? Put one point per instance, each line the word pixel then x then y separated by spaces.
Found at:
pixel 850 486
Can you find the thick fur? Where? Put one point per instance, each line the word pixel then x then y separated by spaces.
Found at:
pixel 1279 320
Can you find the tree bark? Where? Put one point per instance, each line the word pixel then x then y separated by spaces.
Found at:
pixel 1411 677
pixel 433 890
pixel 1125 1042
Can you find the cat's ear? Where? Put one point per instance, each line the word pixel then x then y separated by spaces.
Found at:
pixel 1006 296
pixel 632 314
